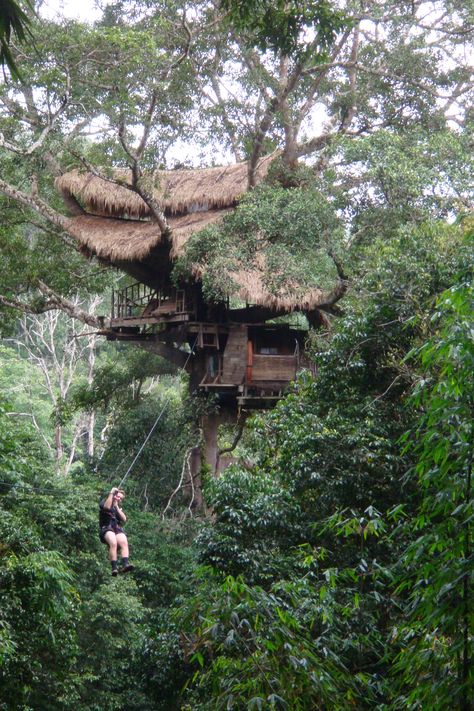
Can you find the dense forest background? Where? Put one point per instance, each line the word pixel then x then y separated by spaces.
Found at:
pixel 332 567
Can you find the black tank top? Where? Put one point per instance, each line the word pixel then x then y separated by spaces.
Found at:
pixel 109 518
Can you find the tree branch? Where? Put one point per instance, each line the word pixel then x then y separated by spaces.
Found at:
pixel 69 307
pixel 137 188
pixel 35 203
pixel 52 119
pixel 272 108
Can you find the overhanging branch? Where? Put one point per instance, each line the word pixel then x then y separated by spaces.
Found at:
pixel 51 302
pixel 35 203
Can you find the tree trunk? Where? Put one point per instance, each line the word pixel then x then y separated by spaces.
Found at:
pixel 210 426
pixel 58 445
pixel 90 435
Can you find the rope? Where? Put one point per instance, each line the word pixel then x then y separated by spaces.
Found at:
pixel 167 401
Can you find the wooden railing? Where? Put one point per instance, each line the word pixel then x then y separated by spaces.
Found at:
pixel 130 302
pixel 141 301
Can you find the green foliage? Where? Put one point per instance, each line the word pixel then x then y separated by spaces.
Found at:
pixel 329 482
pixel 163 667
pixel 14 21
pixel 20 383
pixel 332 443
pixel 254 513
pixel 435 664
pixel 157 469
pixel 21 454
pixel 309 640
pixel 258 649
pixel 118 380
pixel 31 255
pixel 111 625
pixel 300 609
pixel 39 605
pixel 280 26
pixel 404 177
pixel 38 598
pixel 285 235
pixel 72 637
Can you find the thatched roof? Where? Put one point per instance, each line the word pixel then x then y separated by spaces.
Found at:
pixel 132 240
pixel 122 241
pixel 192 199
pixel 252 290
pixel 177 191
pixel 250 280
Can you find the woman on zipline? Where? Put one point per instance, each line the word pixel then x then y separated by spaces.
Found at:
pixel 111 532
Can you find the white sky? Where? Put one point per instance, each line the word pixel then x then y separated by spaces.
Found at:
pixel 87 11
pixel 84 10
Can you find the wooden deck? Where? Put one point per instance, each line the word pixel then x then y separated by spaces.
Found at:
pixel 144 320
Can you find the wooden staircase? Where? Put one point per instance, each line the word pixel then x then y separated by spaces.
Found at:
pixel 235 355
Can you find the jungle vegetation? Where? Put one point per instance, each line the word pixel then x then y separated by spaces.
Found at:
pixel 332 567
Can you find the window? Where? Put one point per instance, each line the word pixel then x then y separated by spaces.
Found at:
pixel 268 350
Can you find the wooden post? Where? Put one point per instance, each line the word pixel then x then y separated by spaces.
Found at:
pixel 249 362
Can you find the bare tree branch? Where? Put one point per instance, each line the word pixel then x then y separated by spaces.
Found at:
pixel 35 203
pixel 69 307
pixel 137 188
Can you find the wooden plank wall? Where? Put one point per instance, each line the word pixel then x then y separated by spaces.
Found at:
pixel 273 367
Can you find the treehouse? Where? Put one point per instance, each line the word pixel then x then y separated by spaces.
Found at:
pixel 240 353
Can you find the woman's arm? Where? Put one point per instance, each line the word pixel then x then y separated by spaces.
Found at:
pixel 108 503
pixel 120 513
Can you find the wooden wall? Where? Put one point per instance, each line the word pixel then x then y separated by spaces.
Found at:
pixel 273 367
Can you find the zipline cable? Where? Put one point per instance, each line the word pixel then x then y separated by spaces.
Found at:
pixel 52 491
pixel 167 401
pixel 31 487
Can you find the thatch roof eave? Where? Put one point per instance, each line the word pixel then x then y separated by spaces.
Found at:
pixel 177 191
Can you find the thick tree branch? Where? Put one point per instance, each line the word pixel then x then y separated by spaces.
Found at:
pixel 35 203
pixel 259 73
pixel 349 109
pixel 27 308
pixel 147 124
pixel 273 107
pixel 138 187
pixel 312 93
pixel 69 307
pixel 53 302
pixel 235 442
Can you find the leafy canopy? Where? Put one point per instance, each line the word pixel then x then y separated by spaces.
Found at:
pixel 282 26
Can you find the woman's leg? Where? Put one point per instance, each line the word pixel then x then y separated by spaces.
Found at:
pixel 111 540
pixel 122 543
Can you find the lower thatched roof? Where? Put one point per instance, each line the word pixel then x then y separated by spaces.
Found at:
pixel 250 286
pixel 132 240
pixel 119 241
pixel 252 290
